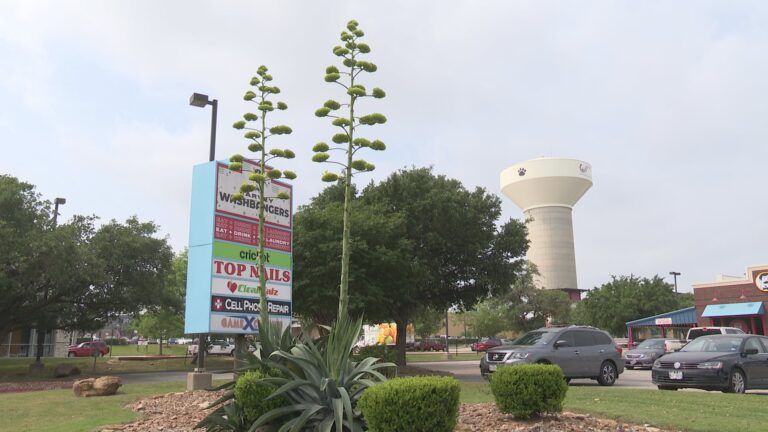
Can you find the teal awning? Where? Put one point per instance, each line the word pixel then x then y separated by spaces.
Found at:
pixel 733 309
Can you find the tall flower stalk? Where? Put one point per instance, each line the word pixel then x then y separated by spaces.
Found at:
pixel 258 132
pixel 347 141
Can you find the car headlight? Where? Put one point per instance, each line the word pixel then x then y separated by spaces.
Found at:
pixel 710 365
pixel 519 355
pixel 657 364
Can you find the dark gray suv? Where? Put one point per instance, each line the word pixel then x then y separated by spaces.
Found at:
pixel 580 351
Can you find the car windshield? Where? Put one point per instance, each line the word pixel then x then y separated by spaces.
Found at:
pixel 651 344
pixel 535 338
pixel 714 344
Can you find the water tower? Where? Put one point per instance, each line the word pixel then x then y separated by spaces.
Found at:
pixel 547 189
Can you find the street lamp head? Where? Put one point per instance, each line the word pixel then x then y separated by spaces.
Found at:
pixel 60 201
pixel 198 100
pixel 672 273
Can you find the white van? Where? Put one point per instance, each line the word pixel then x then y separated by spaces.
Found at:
pixel 695 332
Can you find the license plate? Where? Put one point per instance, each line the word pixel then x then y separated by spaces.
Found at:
pixel 633 362
pixel 492 367
pixel 676 375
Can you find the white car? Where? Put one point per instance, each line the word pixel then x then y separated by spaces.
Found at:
pixel 217 347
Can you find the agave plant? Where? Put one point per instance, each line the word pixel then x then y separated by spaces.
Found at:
pixel 322 382
pixel 228 415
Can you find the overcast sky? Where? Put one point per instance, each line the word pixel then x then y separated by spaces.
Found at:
pixel 667 100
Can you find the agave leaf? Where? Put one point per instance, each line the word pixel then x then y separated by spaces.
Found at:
pixel 338 413
pixel 347 405
pixel 277 413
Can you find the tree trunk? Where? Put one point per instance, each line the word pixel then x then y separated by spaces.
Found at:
pixel 402 327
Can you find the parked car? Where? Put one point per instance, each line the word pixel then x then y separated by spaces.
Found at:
pixel 731 363
pixel 216 347
pixel 184 341
pixel 88 349
pixel 580 351
pixel 645 354
pixel 429 345
pixel 695 332
pixel 485 345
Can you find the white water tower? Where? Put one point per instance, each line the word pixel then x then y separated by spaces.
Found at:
pixel 547 189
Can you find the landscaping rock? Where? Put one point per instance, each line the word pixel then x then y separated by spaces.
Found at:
pixel 102 386
pixel 66 370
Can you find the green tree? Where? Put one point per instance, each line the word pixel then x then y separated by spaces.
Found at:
pixel 73 277
pixel 378 244
pixel 42 270
pixel 160 325
pixel 428 321
pixel 488 319
pixel 528 307
pixel 259 181
pixel 130 274
pixel 347 140
pixel 421 241
pixel 457 254
pixel 627 298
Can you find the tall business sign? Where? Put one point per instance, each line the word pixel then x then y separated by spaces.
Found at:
pixel 223 269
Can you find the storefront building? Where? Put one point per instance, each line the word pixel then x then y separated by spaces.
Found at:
pixel 734 301
pixel 670 325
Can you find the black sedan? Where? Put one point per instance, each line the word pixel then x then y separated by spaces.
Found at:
pixel 729 363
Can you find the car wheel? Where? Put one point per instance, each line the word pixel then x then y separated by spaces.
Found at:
pixel 607 375
pixel 661 387
pixel 71 354
pixel 567 380
pixel 737 382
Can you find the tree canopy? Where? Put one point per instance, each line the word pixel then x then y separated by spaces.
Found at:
pixel 421 241
pixel 627 298
pixel 74 276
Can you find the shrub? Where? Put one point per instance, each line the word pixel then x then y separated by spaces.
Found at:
pixel 429 404
pixel 385 354
pixel 529 390
pixel 251 395
pixel 381 352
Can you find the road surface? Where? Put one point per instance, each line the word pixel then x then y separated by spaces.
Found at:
pixel 469 371
pixel 466 371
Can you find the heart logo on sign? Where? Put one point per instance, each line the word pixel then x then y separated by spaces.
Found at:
pixel 232 286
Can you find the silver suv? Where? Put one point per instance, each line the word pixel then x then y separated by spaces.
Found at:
pixel 580 351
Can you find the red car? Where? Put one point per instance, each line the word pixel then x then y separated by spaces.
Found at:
pixel 485 345
pixel 429 345
pixel 88 349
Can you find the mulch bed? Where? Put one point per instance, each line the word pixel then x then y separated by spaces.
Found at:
pixel 17 387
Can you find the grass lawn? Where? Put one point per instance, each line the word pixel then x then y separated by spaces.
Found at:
pixel 138 350
pixel 57 410
pixel 60 410
pixel 686 410
pixel 16 369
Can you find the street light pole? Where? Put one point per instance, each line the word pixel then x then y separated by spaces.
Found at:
pixel 675 275
pixel 200 100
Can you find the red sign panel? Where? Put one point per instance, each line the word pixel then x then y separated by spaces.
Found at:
pixel 243 232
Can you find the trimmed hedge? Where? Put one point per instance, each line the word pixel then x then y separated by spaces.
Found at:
pixel 417 404
pixel 251 395
pixel 529 390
